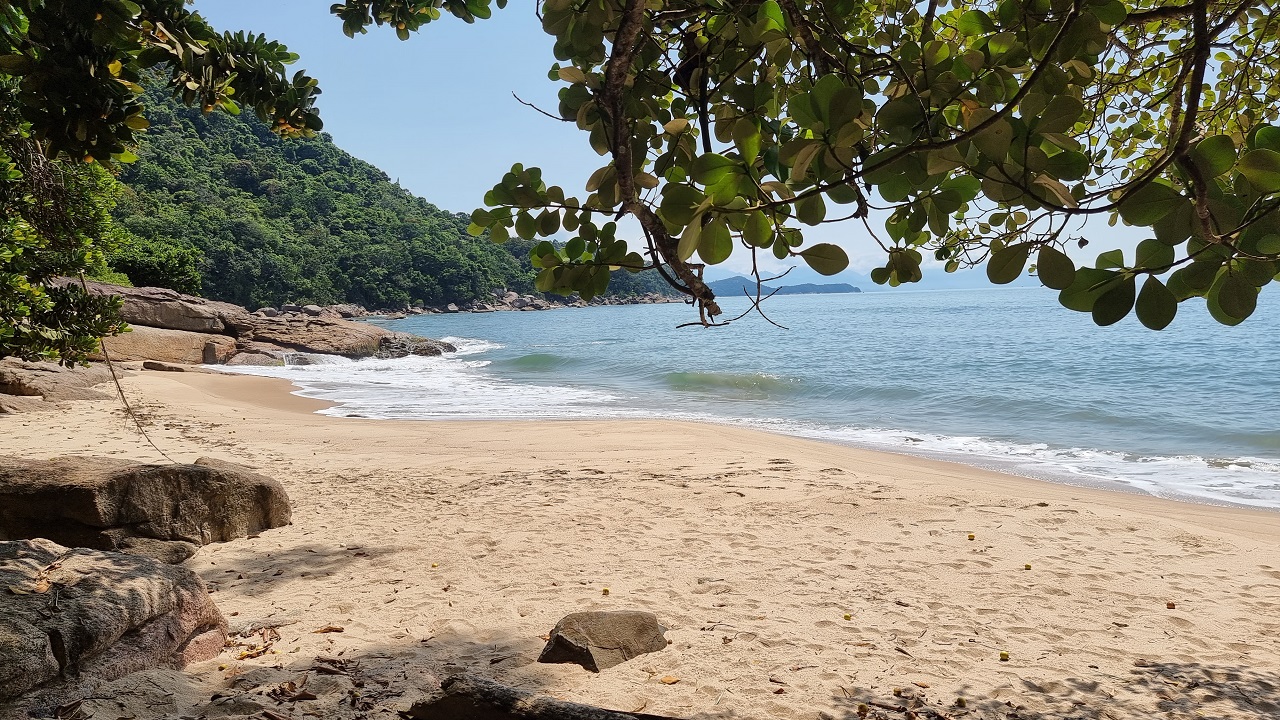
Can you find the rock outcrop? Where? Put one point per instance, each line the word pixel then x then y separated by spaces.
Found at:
pixel 164 308
pixel 165 511
pixel 399 345
pixel 329 336
pixel 175 328
pixel 171 346
pixel 599 640
pixel 50 382
pixel 75 614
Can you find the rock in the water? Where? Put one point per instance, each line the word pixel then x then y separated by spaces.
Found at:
pixel 108 504
pixel 400 345
pixel 68 613
pixel 171 346
pixel 326 336
pixel 51 381
pixel 599 640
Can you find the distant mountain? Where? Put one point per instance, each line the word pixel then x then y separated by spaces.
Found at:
pixel 735 286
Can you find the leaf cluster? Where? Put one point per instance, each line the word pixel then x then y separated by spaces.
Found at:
pixel 984 132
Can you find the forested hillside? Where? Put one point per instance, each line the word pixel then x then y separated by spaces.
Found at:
pixel 219 205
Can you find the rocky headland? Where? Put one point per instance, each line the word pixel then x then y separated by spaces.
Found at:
pixel 170 327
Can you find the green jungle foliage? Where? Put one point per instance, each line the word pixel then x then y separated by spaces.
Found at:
pixel 266 221
pixel 53 215
pixel 69 73
pixel 221 205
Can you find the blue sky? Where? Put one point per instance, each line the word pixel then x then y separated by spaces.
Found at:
pixel 437 113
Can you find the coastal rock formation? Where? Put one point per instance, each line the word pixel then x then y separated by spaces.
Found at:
pixel 304 333
pixel 599 640
pixel 164 308
pixel 164 511
pixel 399 345
pixel 477 698
pixel 175 328
pixel 51 382
pixel 171 346
pixel 82 614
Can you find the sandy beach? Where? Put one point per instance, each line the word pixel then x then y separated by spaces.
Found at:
pixel 797 579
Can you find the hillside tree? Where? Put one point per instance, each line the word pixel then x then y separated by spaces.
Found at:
pixel 69 80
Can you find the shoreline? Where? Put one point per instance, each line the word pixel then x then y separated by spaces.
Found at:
pixel 1009 466
pixel 832 573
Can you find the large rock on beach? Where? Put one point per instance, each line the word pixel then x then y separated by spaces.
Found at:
pixel 172 346
pixel 328 336
pixel 50 381
pixel 599 640
pixel 79 614
pixel 164 511
pixel 165 308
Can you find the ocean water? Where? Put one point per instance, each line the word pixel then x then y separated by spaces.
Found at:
pixel 1000 378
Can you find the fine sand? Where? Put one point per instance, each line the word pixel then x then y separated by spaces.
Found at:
pixel 797 579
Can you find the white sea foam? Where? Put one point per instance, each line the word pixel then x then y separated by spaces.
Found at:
pixel 415 388
pixel 465 385
pixel 1241 481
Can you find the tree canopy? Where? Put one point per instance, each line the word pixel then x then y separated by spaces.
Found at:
pixel 982 132
pixel 69 81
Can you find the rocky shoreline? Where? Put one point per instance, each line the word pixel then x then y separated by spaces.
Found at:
pixel 503 301
pixel 170 327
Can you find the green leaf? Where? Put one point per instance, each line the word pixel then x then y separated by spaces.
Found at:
pixel 1054 268
pixel 680 203
pixel 1269 244
pixel 689 240
pixel 1153 255
pixel 1006 264
pixel 900 119
pixel 758 231
pixel 1262 167
pixel 1089 285
pixel 1149 203
pixel 825 258
pixel 526 227
pixel 711 168
pixel 1235 296
pixel 1111 12
pixel 1214 156
pixel 1156 305
pixel 746 138
pixel 1114 304
pixel 974 23
pixel 715 243
pixel 1061 115
pixel 1110 259
pixel 1267 136
pixel 811 210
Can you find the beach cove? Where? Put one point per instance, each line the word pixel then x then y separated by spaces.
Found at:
pixel 797 578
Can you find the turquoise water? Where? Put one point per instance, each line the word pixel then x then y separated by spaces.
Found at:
pixel 998 378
